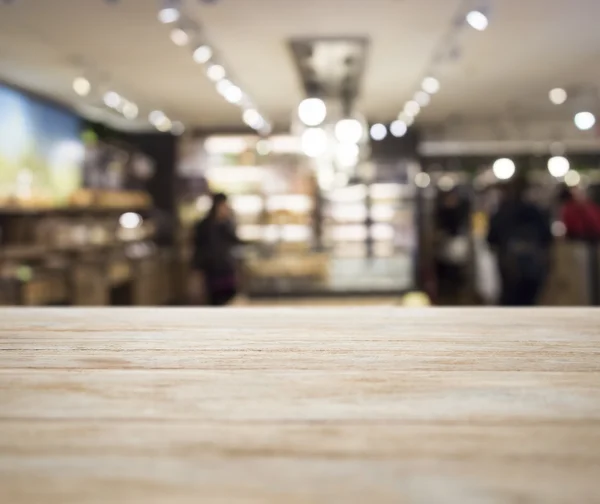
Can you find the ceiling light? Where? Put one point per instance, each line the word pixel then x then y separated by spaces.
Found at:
pixel 223 86
pixel 504 168
pixel 412 108
pixel 314 142
pixel 156 116
pixel 398 128
pixel 164 125
pixel 348 131
pixel 179 37
pixel 572 178
pixel 477 20
pixel 253 119
pixel 130 110
pixel 558 166
pixel 312 111
pixel 112 99
pixel 168 15
pixel 558 96
pixel 422 180
pixel 82 86
pixel 406 119
pixel 177 128
pixel 422 98
pixel 202 54
pixel 430 85
pixel 215 73
pixel 585 120
pixel 233 94
pixel 378 131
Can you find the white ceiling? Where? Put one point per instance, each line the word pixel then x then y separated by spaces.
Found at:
pixel 530 47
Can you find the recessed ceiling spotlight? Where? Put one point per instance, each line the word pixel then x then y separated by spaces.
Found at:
pixel 312 111
pixel 558 166
pixel 112 99
pixel 430 85
pixel 378 131
pixel 233 94
pixel 412 108
pixel 504 168
pixel 82 86
pixel 222 86
pixel 406 119
pixel 477 20
pixel 179 37
pixel 202 54
pixel 130 110
pixel 177 128
pixel 253 119
pixel 164 125
pixel 584 120
pixel 215 72
pixel 156 116
pixel 398 128
pixel 422 98
pixel 169 15
pixel 558 96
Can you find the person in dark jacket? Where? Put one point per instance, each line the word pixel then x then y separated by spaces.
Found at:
pixel 521 236
pixel 214 243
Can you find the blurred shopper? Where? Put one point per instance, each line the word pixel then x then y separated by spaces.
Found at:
pixel 521 236
pixel 580 216
pixel 214 243
pixel 452 248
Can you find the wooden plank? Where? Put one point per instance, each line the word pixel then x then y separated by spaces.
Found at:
pixel 300 405
pixel 309 395
pixel 79 352
pixel 160 462
pixel 325 324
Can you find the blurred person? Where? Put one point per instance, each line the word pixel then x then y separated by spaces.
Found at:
pixel 520 234
pixel 580 216
pixel 452 250
pixel 214 242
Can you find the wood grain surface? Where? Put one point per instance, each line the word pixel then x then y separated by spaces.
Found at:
pixel 299 405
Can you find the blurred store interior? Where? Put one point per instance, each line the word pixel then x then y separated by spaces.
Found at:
pixel 362 145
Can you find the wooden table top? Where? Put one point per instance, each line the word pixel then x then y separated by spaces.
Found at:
pixel 299 405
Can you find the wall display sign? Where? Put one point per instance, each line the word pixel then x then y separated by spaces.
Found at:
pixel 41 154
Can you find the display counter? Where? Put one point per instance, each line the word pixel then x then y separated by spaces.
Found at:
pixel 92 256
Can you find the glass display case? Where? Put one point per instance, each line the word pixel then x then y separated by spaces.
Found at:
pixel 358 238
